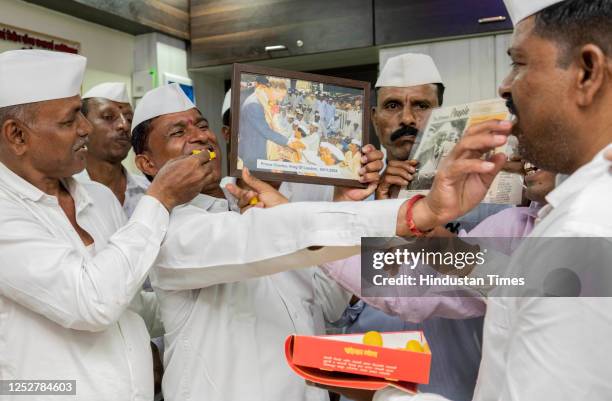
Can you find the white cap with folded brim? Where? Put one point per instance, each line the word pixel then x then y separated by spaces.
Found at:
pixel 407 70
pixel 521 9
pixel 29 76
pixel 115 91
pixel 166 99
pixel 227 102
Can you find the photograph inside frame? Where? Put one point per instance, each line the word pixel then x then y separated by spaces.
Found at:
pixel 300 128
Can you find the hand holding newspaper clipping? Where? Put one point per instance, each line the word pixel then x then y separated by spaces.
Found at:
pixel 446 126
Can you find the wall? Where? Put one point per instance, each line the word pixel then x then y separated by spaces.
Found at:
pixel 471 69
pixel 171 57
pixel 109 53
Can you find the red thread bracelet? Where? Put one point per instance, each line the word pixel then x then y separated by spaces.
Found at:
pixel 410 220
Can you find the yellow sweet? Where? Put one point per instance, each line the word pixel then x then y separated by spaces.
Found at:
pixel 373 338
pixel 414 346
pixel 211 154
pixel 254 200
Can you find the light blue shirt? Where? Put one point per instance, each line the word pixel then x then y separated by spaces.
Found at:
pixel 456 343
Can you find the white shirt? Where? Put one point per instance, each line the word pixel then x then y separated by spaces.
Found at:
pixel 63 311
pixel 136 187
pixel 225 322
pixel 296 301
pixel 550 349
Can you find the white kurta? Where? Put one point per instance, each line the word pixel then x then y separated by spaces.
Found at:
pixel 146 302
pixel 63 311
pixel 226 324
pixel 550 349
pixel 276 306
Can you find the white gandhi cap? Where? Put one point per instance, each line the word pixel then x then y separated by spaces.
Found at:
pixel 115 91
pixel 166 99
pixel 29 76
pixel 409 69
pixel 521 9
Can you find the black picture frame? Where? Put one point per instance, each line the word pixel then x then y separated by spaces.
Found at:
pixel 354 89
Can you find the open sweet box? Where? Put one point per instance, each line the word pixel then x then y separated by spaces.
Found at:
pixel 345 361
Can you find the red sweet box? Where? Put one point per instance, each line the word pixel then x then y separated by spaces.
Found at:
pixel 344 361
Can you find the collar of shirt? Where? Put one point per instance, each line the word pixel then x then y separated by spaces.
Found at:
pixel 25 190
pixel 18 185
pixel 209 203
pixel 568 186
pixel 533 209
pixel 135 181
pixel 578 181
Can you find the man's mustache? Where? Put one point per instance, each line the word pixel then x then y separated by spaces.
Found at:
pixel 404 131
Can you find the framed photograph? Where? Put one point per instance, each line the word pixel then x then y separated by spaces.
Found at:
pixel 298 127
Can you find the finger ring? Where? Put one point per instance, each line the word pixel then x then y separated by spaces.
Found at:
pixel 253 201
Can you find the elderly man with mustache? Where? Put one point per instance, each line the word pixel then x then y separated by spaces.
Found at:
pixel 408 89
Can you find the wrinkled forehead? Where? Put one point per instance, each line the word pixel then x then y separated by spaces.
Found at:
pixel 526 44
pixel 427 92
pixel 103 104
pixel 58 107
pixel 165 122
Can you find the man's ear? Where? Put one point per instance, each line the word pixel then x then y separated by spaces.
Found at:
pixel 145 164
pixel 15 136
pixel 593 70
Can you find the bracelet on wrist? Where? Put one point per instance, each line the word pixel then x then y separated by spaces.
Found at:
pixel 410 218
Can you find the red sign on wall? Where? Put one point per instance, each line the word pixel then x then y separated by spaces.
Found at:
pixel 32 40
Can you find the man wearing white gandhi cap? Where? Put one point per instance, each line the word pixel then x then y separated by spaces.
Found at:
pixel 408 89
pixel 209 255
pixel 108 109
pixel 72 267
pixel 560 91
pixel 213 266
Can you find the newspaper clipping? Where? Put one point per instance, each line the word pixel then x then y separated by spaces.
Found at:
pixel 445 128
